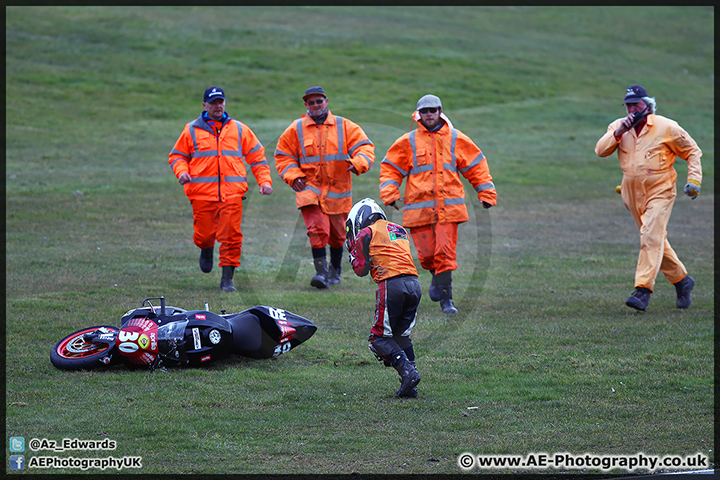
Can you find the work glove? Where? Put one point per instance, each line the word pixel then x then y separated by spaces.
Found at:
pixel 486 205
pixel 692 189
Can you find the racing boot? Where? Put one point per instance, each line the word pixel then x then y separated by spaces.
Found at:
pixel 226 283
pixel 683 288
pixel 409 376
pixel 206 259
pixel 640 299
pixel 446 302
pixel 320 280
pixel 333 277
pixel 379 357
pixel 413 393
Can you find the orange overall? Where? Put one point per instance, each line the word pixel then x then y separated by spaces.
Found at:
pixel 648 188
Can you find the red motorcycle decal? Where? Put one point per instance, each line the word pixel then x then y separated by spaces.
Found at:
pixel 138 341
pixel 286 330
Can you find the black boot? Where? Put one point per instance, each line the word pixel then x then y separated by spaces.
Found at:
pixel 319 280
pixel 442 278
pixel 683 288
pixel 333 277
pixel 640 299
pixel 226 283
pixel 206 259
pixel 379 357
pixel 409 376
pixel 413 393
pixel 446 302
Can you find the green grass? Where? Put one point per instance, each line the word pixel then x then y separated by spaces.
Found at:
pixel 543 345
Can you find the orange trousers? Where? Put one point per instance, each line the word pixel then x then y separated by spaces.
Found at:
pixel 436 245
pixel 650 200
pixel 323 229
pixel 219 221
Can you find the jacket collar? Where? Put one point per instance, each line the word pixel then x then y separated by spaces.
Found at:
pixel 442 130
pixel 225 118
pixel 308 121
pixel 649 122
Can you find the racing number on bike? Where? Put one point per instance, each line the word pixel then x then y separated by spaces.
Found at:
pixel 128 341
pixel 282 348
pixel 277 313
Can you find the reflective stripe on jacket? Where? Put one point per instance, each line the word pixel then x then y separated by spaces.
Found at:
pixel 322 154
pixel 431 162
pixel 215 161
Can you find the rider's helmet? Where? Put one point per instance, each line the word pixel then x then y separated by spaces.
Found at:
pixel 363 214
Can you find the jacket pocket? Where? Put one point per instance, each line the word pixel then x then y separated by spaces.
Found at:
pixel 656 159
pixel 310 148
pixel 423 158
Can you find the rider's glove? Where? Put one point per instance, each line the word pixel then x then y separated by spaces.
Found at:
pixel 692 189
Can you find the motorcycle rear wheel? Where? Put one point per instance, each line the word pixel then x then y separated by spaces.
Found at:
pixel 74 353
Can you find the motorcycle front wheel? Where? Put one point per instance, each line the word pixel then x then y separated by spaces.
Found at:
pixel 74 353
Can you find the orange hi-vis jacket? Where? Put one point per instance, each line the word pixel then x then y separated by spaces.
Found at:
pixel 431 161
pixel 215 161
pixel 320 154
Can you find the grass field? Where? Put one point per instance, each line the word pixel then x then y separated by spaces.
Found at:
pixel 544 356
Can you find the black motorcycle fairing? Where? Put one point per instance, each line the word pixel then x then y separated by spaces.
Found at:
pixel 266 332
pixel 208 337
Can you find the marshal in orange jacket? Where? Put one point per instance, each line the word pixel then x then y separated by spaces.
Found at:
pixel 432 163
pixel 215 161
pixel 322 154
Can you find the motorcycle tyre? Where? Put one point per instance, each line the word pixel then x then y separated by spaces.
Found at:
pixel 88 360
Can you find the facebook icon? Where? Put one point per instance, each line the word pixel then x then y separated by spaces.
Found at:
pixel 17 462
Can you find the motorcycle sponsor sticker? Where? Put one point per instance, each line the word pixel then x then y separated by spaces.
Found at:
pixel 196 338
pixel 200 316
pixel 396 232
pixel 205 358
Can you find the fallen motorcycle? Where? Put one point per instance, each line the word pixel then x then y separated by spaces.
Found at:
pixel 165 336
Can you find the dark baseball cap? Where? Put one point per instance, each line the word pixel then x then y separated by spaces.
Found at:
pixel 634 94
pixel 213 93
pixel 314 91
